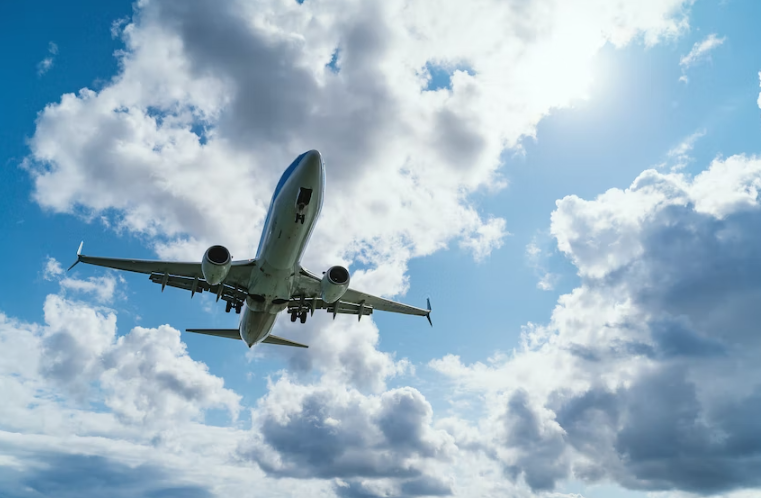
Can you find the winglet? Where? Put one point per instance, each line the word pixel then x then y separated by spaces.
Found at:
pixel 428 316
pixel 79 252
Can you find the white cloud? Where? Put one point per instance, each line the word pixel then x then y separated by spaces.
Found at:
pixel 537 259
pixel 700 52
pixel 45 64
pixel 402 164
pixel 405 161
pixel 679 156
pixel 53 269
pixel 649 359
pixel 102 288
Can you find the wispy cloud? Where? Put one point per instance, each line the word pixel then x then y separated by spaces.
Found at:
pixel 45 64
pixel 679 156
pixel 699 53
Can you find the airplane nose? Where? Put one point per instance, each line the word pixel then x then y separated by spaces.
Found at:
pixel 312 158
pixel 312 163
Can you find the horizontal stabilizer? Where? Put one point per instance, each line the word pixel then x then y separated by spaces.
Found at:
pixel 228 333
pixel 273 339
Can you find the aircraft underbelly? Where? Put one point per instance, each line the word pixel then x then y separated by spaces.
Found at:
pixel 255 326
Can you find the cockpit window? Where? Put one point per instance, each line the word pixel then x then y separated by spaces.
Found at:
pixel 305 195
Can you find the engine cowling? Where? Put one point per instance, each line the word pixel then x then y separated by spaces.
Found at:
pixel 216 264
pixel 334 283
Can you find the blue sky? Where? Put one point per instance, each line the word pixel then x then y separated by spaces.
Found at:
pixel 555 322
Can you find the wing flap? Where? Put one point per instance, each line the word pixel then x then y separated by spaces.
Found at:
pixel 273 339
pixel 226 333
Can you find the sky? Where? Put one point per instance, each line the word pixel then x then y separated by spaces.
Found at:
pixel 575 185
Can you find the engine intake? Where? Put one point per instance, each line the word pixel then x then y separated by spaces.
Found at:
pixel 334 283
pixel 216 264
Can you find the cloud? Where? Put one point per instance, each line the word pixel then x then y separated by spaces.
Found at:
pixel 699 53
pixel 644 375
pixel 45 64
pixel 68 475
pixel 140 150
pixel 679 156
pixel 52 269
pixel 330 432
pixel 184 147
pixel 102 288
pixel 536 258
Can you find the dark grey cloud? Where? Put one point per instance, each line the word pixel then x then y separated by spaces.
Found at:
pixel 420 486
pixel 541 450
pixel 275 99
pixel 85 476
pixel 331 436
pixel 674 387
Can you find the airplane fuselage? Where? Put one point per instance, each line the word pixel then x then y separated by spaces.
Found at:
pixel 294 209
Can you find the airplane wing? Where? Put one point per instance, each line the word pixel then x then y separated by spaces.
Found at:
pixel 182 275
pixel 353 302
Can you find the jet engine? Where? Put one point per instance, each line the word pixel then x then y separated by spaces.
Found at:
pixel 215 264
pixel 334 283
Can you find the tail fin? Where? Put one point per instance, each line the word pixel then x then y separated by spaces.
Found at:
pixel 428 316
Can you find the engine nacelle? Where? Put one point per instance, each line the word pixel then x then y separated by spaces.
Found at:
pixel 216 264
pixel 334 283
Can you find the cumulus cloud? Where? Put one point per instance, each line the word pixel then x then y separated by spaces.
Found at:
pixel 328 431
pixel 699 53
pixel 645 375
pixel 75 397
pixel 213 102
pixel 185 145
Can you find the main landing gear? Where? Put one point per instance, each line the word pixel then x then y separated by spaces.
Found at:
pixel 302 316
pixel 229 306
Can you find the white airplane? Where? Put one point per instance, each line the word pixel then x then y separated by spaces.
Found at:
pixel 274 280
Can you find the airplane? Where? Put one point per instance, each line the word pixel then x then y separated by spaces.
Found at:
pixel 274 280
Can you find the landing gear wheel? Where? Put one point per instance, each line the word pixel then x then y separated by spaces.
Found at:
pixel 228 307
pixel 303 317
pixel 293 316
pixel 238 308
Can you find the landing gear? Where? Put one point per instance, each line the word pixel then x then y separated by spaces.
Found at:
pixel 301 315
pixel 300 217
pixel 230 305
